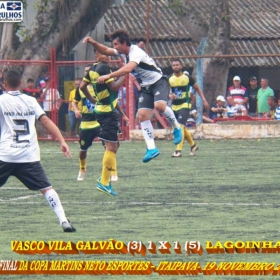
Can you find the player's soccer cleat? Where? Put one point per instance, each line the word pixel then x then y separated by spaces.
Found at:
pixel 177 134
pixel 67 227
pixel 150 154
pixel 177 154
pixel 194 148
pixel 106 189
pixel 114 178
pixel 81 175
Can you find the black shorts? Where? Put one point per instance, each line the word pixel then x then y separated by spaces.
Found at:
pixel 31 174
pixel 158 91
pixel 182 115
pixel 109 124
pixel 87 136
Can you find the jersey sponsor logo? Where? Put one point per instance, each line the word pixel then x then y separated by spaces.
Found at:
pixel 90 106
pixel 11 11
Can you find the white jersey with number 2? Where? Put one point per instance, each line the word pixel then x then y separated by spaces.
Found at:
pixel 18 142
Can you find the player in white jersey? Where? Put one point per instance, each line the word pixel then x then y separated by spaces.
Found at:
pixel 19 149
pixel 154 86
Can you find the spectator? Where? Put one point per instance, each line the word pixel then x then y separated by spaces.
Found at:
pixel 71 112
pixel 42 77
pixel 263 93
pixel 30 89
pixel 277 111
pixel 50 97
pixel 218 108
pixel 252 92
pixel 238 92
pixel 272 106
pixel 233 109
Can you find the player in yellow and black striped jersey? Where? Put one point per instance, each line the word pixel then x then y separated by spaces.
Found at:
pixel 181 103
pixel 89 127
pixel 105 109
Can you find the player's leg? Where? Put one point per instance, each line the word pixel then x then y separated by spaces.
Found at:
pixel 109 133
pixel 33 176
pixel 145 110
pixel 160 91
pixel 114 172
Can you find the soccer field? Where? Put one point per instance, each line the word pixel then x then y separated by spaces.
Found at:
pixel 229 191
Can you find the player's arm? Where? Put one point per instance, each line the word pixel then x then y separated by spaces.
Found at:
pixel 84 89
pixel 100 47
pixel 200 93
pixel 75 102
pixel 118 107
pixel 121 72
pixel 53 129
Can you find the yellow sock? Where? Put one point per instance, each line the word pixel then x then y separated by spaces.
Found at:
pixel 83 164
pixel 188 136
pixel 180 145
pixel 114 167
pixel 107 167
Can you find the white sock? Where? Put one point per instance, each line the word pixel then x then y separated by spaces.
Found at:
pixel 148 133
pixel 54 201
pixel 169 115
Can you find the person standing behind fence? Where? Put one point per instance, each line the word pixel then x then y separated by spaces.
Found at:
pixel 50 97
pixel 263 93
pixel 31 90
pixel 277 111
pixel 154 91
pixel 73 120
pixel 252 92
pixel 19 149
pixel 238 92
pixel 181 103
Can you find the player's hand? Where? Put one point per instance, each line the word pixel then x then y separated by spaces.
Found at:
pixel 102 79
pixel 126 119
pixel 88 40
pixel 65 150
pixel 205 104
pixel 172 96
pixel 78 114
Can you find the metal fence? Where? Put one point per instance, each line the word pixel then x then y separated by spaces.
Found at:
pixel 62 75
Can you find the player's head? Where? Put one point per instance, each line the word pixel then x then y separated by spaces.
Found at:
pixel 101 57
pixel 121 40
pixel 12 79
pixel 87 68
pixel 176 65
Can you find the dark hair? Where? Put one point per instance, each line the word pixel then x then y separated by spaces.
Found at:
pixel 122 36
pixel 12 78
pixel 30 80
pixel 177 60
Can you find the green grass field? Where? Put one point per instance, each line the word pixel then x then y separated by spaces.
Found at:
pixel 228 191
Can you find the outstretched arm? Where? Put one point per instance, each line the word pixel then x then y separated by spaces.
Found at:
pixel 121 72
pixel 100 47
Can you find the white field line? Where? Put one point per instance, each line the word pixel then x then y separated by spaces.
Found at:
pixel 18 198
pixel 137 203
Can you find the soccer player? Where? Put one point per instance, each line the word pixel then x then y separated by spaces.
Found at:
pixel 154 86
pixel 19 149
pixel 181 103
pixel 89 127
pixel 108 118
